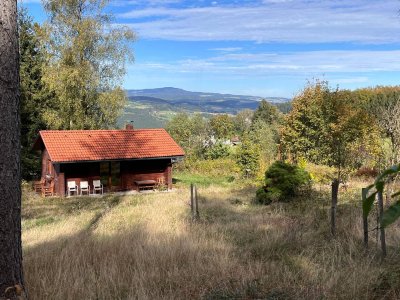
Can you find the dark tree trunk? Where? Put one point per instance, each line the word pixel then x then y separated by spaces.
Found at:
pixel 335 191
pixel 11 277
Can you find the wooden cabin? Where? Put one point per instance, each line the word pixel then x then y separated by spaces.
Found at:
pixel 121 159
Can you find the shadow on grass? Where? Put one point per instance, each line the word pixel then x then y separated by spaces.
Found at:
pixel 136 264
pixel 281 251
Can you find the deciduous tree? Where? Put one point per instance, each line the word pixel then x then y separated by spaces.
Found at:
pixel 86 57
pixel 329 127
pixel 267 112
pixel 222 126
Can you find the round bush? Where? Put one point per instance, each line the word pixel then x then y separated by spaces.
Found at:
pixel 262 196
pixel 283 181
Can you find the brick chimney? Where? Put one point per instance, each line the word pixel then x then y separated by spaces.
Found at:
pixel 129 126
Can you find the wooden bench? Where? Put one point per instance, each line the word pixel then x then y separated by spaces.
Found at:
pixel 145 184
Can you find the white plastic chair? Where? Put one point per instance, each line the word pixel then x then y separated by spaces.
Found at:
pixel 85 188
pixel 97 186
pixel 72 187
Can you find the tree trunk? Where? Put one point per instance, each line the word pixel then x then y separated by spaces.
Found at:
pixel 11 277
pixel 335 191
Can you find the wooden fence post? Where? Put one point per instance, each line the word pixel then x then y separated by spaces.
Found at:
pixel 334 200
pixel 382 229
pixel 197 203
pixel 191 200
pixel 364 192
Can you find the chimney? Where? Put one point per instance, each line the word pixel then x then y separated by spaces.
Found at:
pixel 129 126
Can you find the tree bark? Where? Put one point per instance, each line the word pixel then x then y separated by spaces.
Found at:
pixel 335 192
pixel 11 276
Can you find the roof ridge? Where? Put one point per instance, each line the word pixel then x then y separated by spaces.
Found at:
pixel 104 130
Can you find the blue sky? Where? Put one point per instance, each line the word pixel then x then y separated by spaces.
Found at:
pixel 258 47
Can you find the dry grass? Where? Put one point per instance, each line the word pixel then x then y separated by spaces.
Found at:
pixel 146 247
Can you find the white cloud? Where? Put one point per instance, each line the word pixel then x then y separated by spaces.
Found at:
pixel 352 80
pixel 294 64
pixel 227 49
pixel 274 21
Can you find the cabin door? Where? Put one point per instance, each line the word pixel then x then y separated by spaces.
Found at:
pixel 110 174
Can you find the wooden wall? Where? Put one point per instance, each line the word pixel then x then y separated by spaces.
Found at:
pixel 130 171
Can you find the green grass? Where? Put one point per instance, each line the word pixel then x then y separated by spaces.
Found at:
pixel 203 180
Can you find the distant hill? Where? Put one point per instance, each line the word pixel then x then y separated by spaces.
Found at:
pixel 154 107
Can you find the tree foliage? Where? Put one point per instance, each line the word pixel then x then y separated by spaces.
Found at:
pixel 384 104
pixel 35 98
pixel 330 127
pixel 242 121
pixel 267 112
pixel 264 135
pixel 86 57
pixel 248 157
pixel 217 150
pixel 222 126
pixel 189 131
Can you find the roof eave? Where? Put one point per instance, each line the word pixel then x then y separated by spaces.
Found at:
pixel 119 159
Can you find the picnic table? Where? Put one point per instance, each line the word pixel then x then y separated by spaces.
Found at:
pixel 145 184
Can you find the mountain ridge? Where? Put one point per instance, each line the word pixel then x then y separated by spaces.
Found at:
pixel 150 108
pixel 177 94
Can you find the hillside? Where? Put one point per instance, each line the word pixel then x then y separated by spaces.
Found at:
pixel 154 107
pixel 145 247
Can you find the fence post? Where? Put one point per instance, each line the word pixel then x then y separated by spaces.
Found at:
pixel 191 200
pixel 364 192
pixel 334 200
pixel 197 203
pixel 382 229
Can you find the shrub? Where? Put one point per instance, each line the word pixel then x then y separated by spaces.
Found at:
pixel 319 173
pixel 248 158
pixel 212 168
pixel 283 181
pixel 366 172
pixel 263 197
pixel 216 151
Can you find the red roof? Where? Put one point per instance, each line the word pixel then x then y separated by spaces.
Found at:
pixel 92 145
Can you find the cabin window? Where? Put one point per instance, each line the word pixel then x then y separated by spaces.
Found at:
pixel 110 173
pixel 104 172
pixel 115 173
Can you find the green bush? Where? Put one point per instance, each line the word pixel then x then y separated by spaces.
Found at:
pixel 283 181
pixel 216 151
pixel 262 196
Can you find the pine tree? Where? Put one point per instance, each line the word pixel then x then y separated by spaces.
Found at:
pixel 35 98
pixel 11 276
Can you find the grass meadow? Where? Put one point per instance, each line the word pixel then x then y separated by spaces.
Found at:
pixel 146 247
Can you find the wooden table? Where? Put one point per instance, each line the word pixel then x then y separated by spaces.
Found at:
pixel 145 184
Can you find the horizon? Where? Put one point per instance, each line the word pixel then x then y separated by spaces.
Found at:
pixel 265 48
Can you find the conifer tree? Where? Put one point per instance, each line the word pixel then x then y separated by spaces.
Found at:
pixel 11 275
pixel 35 98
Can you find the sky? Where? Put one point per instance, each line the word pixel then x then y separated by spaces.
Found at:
pixel 266 48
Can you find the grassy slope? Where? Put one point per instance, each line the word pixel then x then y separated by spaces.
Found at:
pixel 146 247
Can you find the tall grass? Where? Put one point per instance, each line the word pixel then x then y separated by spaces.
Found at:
pixel 146 247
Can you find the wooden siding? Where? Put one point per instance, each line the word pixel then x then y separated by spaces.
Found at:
pixel 130 171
